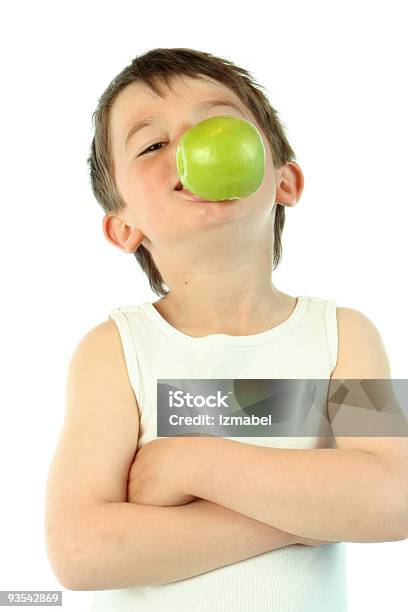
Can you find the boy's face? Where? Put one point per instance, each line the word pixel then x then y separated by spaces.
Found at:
pixel 157 215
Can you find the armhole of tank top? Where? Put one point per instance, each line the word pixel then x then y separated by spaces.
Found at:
pixel 132 363
pixel 332 335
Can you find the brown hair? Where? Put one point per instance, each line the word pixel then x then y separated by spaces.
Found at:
pixel 161 65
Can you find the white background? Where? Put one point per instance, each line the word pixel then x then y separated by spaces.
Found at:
pixel 335 73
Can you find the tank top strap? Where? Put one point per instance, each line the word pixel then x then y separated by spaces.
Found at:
pixel 129 343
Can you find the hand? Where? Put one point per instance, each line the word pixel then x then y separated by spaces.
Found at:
pixel 158 475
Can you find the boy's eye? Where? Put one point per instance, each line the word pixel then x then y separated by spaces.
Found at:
pixel 159 143
pixel 153 145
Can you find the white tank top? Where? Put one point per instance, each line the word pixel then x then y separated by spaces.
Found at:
pixel 291 579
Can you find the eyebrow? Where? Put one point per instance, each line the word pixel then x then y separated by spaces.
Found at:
pixel 143 123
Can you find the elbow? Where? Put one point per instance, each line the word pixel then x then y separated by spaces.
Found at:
pixel 71 572
pixel 69 562
pixel 68 577
pixel 71 584
pixel 397 527
pixel 74 586
pixel 66 570
pixel 402 518
pixel 403 530
pixel 74 575
pixel 397 535
pixel 392 511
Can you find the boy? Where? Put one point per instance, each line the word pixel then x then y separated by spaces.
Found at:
pixel 208 523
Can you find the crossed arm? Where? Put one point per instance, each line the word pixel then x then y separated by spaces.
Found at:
pixel 357 492
pixel 328 494
pixel 100 543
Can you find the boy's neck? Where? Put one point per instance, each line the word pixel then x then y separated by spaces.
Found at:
pixel 201 317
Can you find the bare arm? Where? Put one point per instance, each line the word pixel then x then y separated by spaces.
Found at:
pixel 174 543
pixel 344 495
pixel 95 538
pixel 356 492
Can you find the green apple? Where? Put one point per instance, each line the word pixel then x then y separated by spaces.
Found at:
pixel 221 158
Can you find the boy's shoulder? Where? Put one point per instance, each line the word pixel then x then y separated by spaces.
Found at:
pixel 104 331
pixel 361 351
pixel 101 350
pixel 100 342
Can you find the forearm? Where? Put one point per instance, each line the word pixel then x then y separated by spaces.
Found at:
pixel 127 545
pixel 329 494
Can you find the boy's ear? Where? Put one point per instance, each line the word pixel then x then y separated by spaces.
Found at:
pixel 121 235
pixel 290 183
